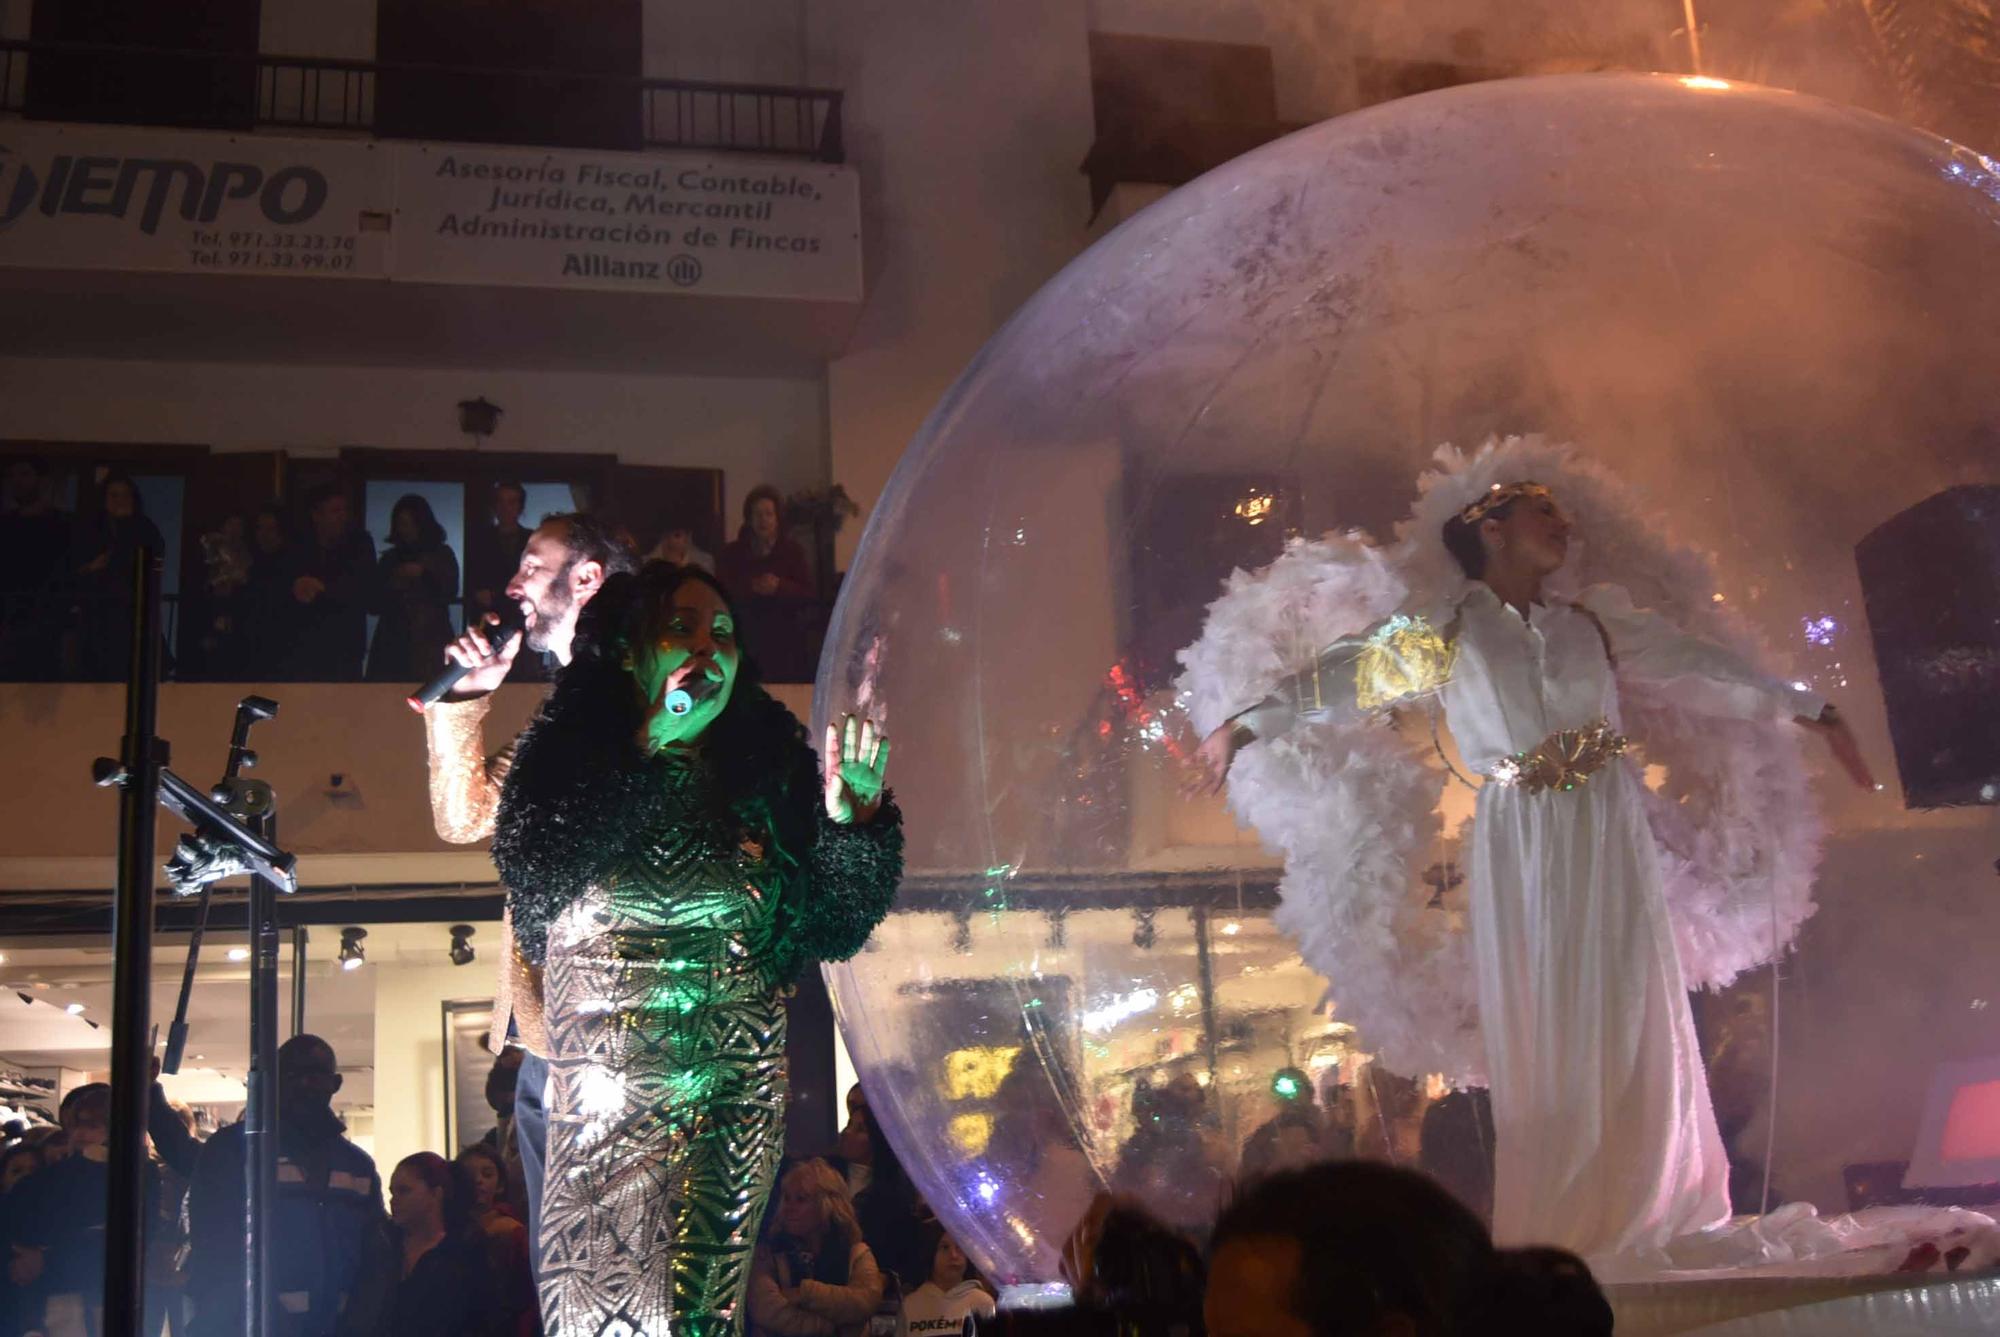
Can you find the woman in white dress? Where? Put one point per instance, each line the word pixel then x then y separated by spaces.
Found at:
pixel 1606 1141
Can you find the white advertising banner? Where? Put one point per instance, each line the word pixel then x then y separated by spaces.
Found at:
pixel 627 222
pixel 112 197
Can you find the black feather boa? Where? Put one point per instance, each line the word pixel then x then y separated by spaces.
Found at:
pixel 581 795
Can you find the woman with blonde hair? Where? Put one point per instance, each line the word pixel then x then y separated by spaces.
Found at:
pixel 814 1276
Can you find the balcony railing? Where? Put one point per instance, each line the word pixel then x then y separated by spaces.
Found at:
pixel 231 90
pixel 70 636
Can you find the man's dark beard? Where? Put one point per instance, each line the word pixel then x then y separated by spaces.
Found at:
pixel 553 608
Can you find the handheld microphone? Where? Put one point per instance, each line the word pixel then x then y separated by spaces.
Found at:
pixel 497 634
pixel 684 699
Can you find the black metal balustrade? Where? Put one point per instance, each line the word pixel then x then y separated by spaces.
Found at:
pixel 235 90
pixel 68 636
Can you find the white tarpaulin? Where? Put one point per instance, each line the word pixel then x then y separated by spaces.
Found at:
pixel 120 198
pixel 115 197
pixel 628 222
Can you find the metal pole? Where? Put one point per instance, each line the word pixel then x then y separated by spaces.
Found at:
pixel 260 1112
pixel 1205 978
pixel 132 947
pixel 299 980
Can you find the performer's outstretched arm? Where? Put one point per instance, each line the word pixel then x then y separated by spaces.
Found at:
pixel 1710 679
pixel 1395 661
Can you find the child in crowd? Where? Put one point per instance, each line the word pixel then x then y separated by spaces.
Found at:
pixel 951 1295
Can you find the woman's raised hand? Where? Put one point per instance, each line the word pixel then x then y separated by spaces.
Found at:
pixel 856 755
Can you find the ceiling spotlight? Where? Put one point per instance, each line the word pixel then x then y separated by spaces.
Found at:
pixel 238 953
pixel 74 1009
pixel 352 954
pixel 461 947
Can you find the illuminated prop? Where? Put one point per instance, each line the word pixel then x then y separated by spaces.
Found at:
pixel 1760 310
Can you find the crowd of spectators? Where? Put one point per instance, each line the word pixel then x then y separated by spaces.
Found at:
pixel 1308 1240
pixel 289 596
pixel 443 1255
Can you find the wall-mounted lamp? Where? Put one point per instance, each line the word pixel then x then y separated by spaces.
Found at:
pixel 478 419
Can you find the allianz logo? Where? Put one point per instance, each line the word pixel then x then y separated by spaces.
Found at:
pixel 197 192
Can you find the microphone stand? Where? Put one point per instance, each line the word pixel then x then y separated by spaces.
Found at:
pixel 233 828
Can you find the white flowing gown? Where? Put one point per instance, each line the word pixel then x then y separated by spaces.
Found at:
pixel 1605 1138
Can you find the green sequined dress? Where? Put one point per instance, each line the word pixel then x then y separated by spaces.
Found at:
pixel 666 1098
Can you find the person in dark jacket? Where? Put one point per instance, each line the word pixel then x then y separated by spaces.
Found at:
pixel 102 575
pixel 493 554
pixel 332 573
pixel 328 1217
pixel 35 572
pixel 266 602
pixel 18 1164
pixel 54 1221
pixel 443 1285
pixel 414 586
pixel 885 1201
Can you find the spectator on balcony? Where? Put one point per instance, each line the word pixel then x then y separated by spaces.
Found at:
pixel 763 561
pixel 34 574
pixel 330 578
pixel 491 560
pixel 212 642
pixel 266 602
pixel 102 561
pixel 414 585
pixel 492 557
pixel 677 546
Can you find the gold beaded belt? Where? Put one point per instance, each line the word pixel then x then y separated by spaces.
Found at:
pixel 1561 761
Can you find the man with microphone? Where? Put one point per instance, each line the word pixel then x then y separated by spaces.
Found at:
pixel 566 561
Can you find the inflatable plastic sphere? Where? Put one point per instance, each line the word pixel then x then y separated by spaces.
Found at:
pixel 1773 319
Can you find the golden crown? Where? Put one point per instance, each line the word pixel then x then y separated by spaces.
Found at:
pixel 1500 494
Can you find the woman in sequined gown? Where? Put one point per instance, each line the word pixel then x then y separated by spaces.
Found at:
pixel 675 856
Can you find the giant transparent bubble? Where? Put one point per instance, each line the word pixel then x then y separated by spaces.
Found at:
pixel 1774 318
